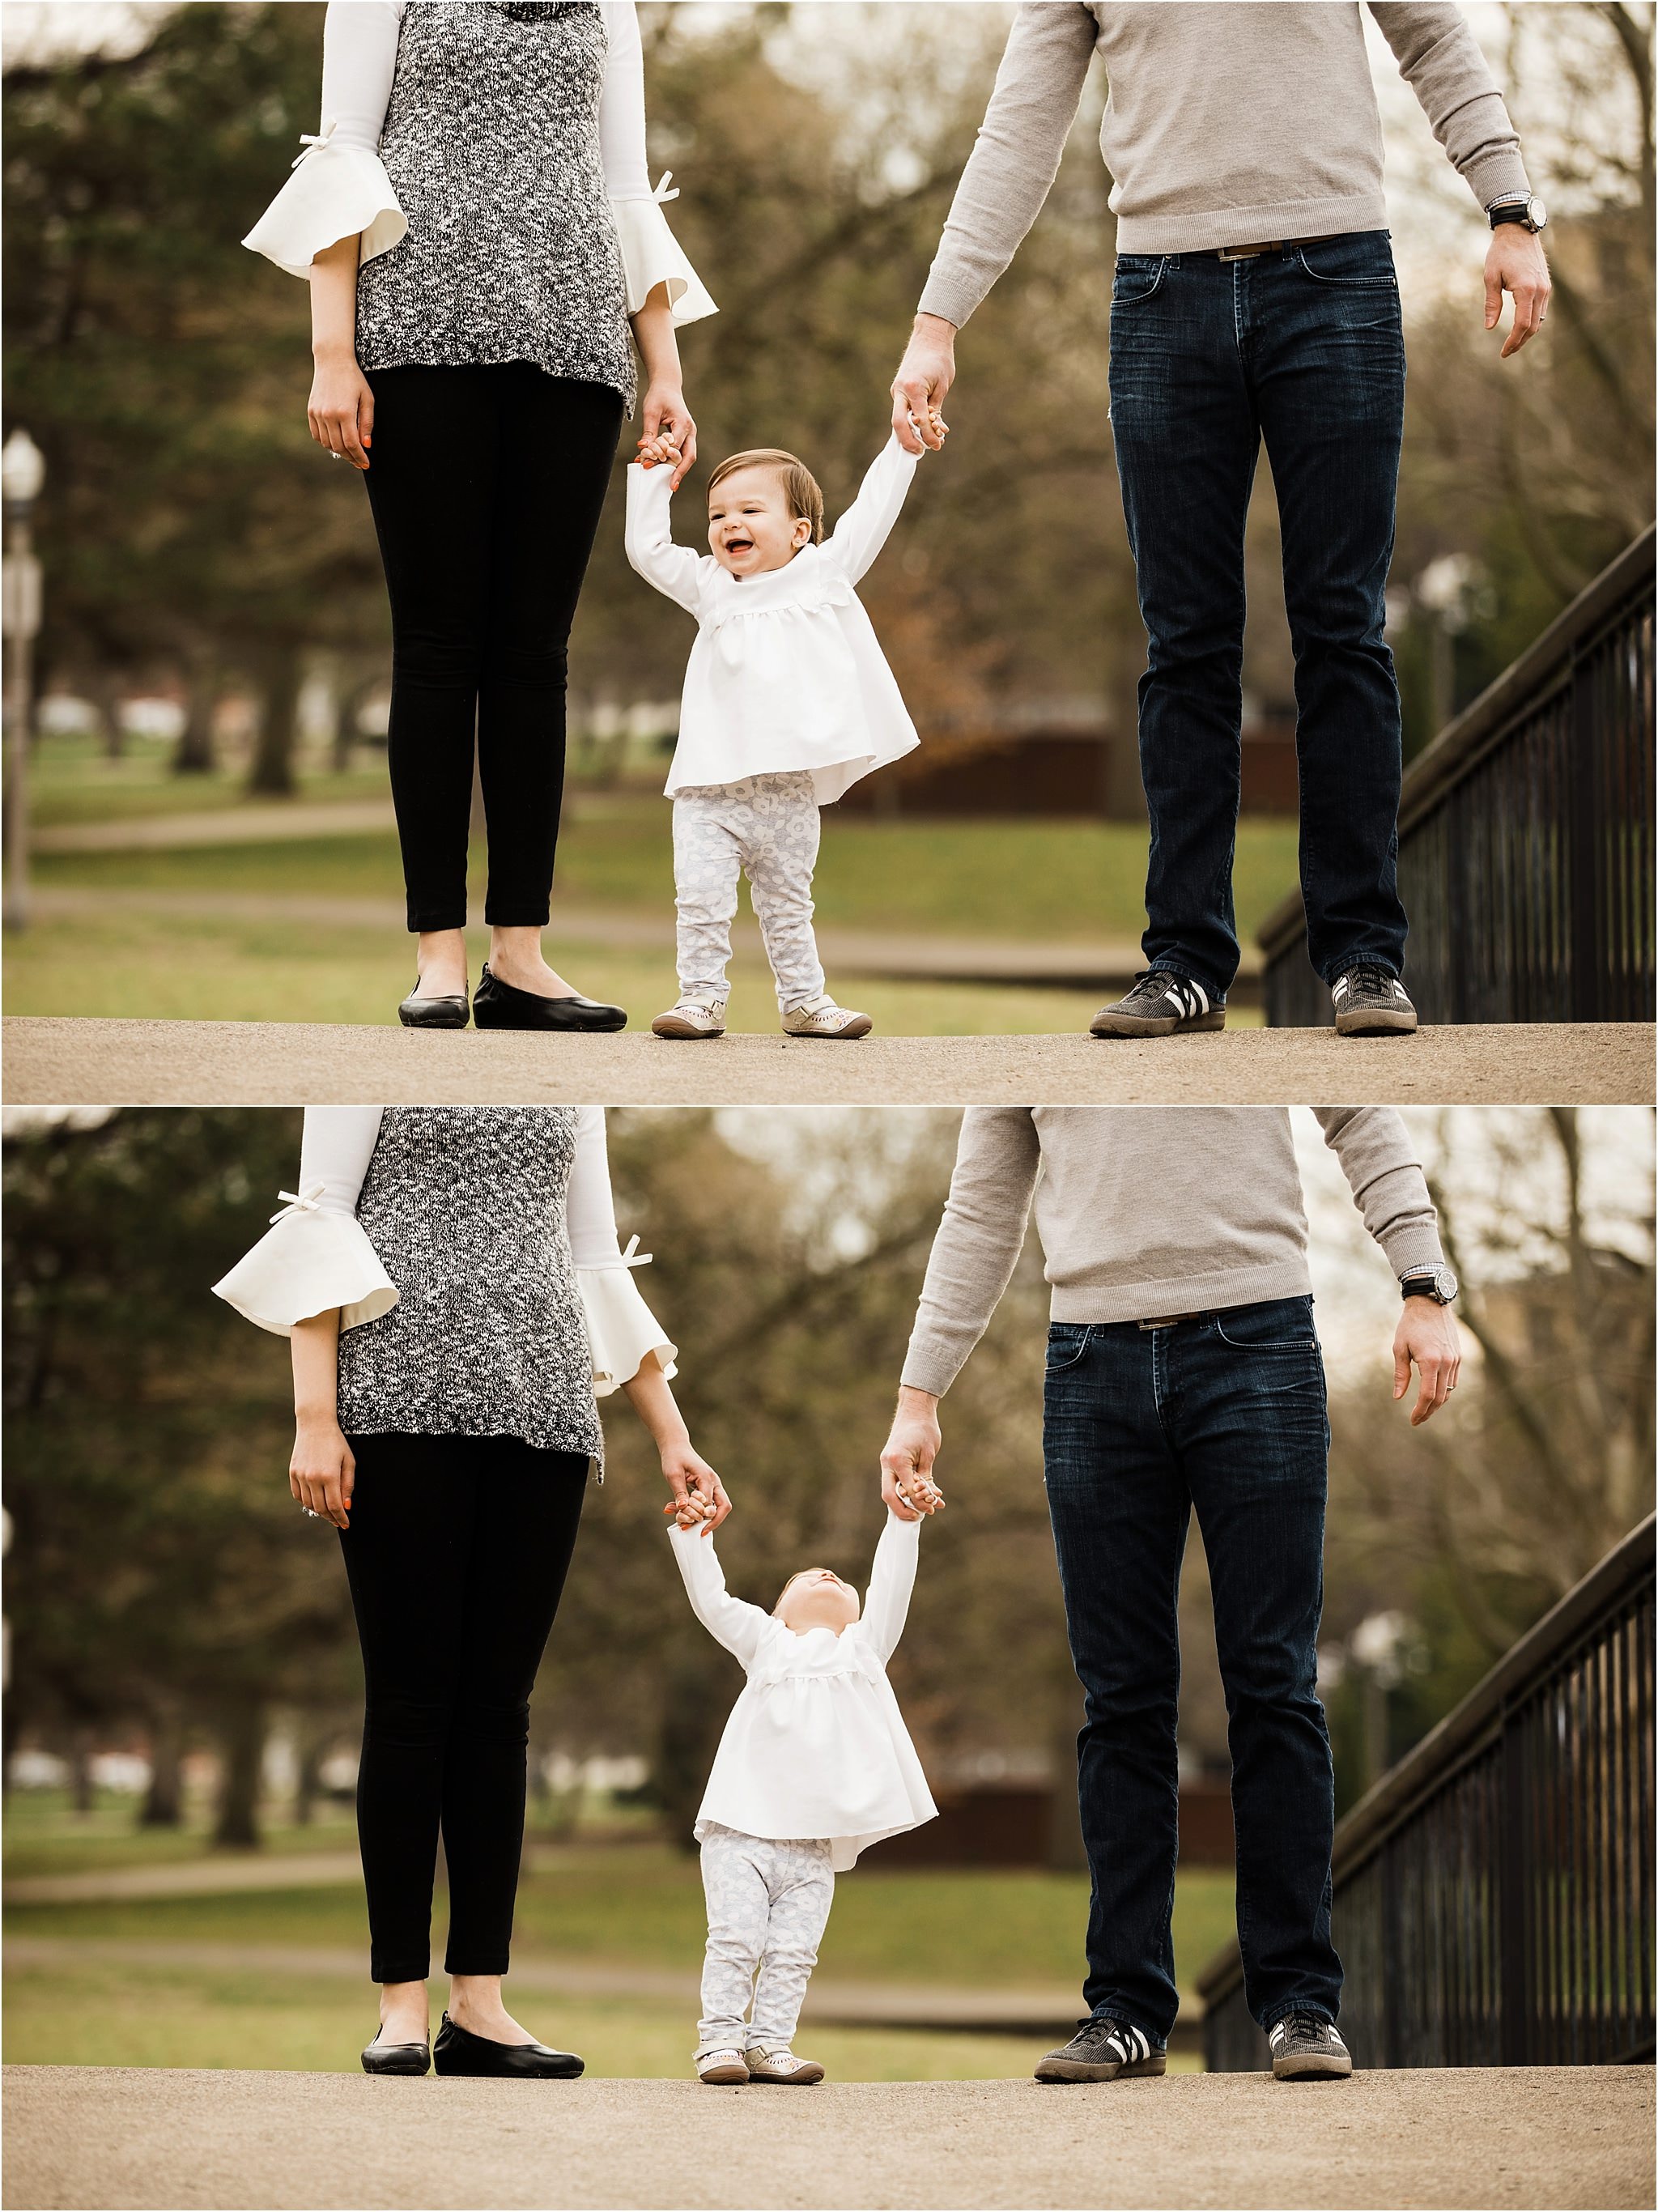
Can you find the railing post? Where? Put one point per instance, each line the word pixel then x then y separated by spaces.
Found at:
pixel 1514 1898
pixel 1584 890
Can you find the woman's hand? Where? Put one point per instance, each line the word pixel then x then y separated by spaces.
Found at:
pixel 666 414
pixel 322 1472
pixel 669 429
pixel 698 1492
pixel 341 411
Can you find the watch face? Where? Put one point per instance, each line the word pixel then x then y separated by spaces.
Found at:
pixel 1536 212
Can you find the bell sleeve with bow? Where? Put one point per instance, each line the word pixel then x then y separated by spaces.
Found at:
pixel 651 254
pixel 315 1256
pixel 622 1330
pixel 339 187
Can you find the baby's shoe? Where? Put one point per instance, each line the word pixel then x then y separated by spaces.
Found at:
pixel 692 1017
pixel 775 2062
pixel 721 2066
pixel 822 1018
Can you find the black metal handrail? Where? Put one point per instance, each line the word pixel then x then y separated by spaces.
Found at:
pixel 1493 1893
pixel 1525 834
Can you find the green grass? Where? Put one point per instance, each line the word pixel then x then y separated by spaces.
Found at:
pixel 1020 882
pixel 1065 881
pixel 73 780
pixel 44 1836
pixel 106 2014
pixel 169 967
pixel 641 1905
pixel 630 1906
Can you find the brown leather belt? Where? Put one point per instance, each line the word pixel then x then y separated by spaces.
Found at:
pixel 1266 245
pixel 1168 1321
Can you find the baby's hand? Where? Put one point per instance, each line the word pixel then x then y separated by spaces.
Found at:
pixel 659 452
pixel 691 1511
pixel 936 423
pixel 921 1492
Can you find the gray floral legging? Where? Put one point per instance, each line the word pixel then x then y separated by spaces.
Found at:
pixel 767 1905
pixel 766 827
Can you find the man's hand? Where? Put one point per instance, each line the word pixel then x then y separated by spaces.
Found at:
pixel 924 375
pixel 907 1483
pixel 1427 1333
pixel 1516 263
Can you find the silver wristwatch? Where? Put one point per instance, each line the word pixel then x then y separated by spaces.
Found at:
pixel 1526 209
pixel 1438 1284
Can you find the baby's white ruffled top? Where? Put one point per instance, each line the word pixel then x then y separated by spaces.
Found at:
pixel 316 1255
pixel 785 673
pixel 816 1745
pixel 340 186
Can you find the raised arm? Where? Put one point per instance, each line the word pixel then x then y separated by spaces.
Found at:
pixel 675 570
pixel 864 529
pixel 892 1580
pixel 730 1621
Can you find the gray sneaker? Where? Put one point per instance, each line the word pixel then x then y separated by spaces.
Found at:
pixel 1305 2047
pixel 1161 1003
pixel 1371 1001
pixel 1103 2050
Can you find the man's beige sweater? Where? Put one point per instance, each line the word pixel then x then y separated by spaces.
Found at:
pixel 1229 122
pixel 1145 1211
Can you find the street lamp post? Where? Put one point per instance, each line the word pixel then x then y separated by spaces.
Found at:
pixel 22 472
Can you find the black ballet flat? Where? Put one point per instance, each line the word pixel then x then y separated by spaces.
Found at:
pixel 396 2057
pixel 498 1005
pixel 449 1012
pixel 457 2051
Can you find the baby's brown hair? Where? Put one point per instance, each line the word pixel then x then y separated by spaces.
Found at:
pixel 800 488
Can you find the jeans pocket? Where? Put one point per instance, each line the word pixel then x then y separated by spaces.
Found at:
pixel 1066 1343
pixel 1274 1325
pixel 1136 277
pixel 1352 261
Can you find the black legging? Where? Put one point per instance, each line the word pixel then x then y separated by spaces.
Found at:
pixel 486 484
pixel 456 1554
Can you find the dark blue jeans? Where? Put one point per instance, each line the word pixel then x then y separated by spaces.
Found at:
pixel 1226 1414
pixel 1301 349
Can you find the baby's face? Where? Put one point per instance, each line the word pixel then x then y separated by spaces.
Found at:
pixel 816 1599
pixel 751 528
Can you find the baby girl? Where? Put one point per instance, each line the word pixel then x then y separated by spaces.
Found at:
pixel 787 702
pixel 814 1764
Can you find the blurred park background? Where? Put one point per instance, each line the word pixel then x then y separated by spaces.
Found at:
pixel 184 1695
pixel 212 834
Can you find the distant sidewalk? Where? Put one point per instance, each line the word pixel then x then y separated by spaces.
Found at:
pixel 134 2136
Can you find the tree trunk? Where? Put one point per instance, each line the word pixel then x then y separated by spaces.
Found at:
pixel 272 771
pixel 691 1717
pixel 241 1741
pixel 80 1792
pixel 310 1751
pixel 194 755
pixel 164 1800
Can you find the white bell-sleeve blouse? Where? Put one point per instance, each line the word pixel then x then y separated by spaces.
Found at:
pixel 339 185
pixel 816 1745
pixel 315 1254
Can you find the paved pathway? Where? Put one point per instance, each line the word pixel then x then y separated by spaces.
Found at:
pixel 85 2137
pixel 68 1061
